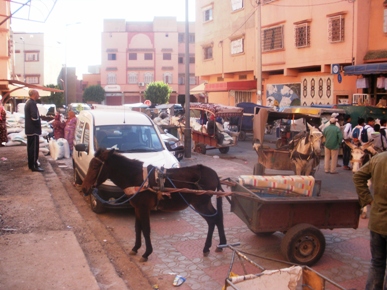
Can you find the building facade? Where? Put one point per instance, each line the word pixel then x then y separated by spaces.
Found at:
pixel 298 47
pixel 137 53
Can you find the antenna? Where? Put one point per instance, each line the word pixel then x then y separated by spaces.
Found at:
pixel 124 114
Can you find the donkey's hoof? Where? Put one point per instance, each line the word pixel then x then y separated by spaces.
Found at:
pixel 143 259
pixel 133 253
pixel 218 250
pixel 205 254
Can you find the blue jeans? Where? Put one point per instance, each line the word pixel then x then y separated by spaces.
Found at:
pixel 377 274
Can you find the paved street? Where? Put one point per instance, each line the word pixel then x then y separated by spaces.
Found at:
pixel 178 238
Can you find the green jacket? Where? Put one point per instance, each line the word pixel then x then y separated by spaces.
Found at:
pixel 376 169
pixel 333 137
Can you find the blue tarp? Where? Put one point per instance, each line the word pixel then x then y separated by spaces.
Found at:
pixel 366 69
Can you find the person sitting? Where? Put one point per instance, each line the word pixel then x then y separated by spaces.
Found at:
pixel 212 130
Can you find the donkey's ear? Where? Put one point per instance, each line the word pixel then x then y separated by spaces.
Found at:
pixel 111 152
pixel 309 126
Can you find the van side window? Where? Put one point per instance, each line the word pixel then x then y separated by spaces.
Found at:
pixel 78 132
pixel 86 135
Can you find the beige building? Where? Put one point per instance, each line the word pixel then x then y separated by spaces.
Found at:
pixel 300 51
pixel 137 53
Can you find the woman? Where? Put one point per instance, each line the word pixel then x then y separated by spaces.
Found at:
pixel 69 130
pixel 58 127
pixel 3 125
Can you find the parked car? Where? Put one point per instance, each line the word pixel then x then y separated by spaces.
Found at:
pixel 131 133
pixel 174 145
pixel 77 107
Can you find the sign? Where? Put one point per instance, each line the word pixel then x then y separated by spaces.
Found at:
pixel 339 78
pixel 148 103
pixel 112 88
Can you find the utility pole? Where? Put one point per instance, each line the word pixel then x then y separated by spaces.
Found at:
pixel 187 129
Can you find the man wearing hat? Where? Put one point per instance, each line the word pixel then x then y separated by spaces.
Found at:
pixel 333 138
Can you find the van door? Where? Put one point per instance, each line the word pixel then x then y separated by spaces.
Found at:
pixel 83 158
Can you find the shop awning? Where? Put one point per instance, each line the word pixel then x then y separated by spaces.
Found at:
pixel 200 89
pixel 366 69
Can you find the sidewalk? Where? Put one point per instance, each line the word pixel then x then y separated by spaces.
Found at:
pixel 39 247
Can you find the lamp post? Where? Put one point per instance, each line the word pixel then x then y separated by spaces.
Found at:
pixel 66 78
pixel 24 59
pixel 187 129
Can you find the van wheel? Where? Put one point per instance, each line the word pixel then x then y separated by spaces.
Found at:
pixel 96 205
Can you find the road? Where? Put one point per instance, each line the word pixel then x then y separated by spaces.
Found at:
pixel 178 238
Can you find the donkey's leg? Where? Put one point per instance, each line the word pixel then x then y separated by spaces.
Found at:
pixel 138 229
pixel 220 224
pixel 211 226
pixel 146 231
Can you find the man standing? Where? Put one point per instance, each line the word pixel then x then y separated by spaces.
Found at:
pixel 333 138
pixel 347 137
pixel 376 169
pixel 33 129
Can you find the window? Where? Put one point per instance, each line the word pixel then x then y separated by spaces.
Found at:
pixel 32 79
pixel 148 77
pixel 181 79
pixel 132 78
pixel 237 46
pixel 181 37
pixel 336 29
pixel 385 20
pixel 112 56
pixel 111 79
pixel 192 38
pixel 207 14
pixel 148 56
pixel 207 52
pixel 32 56
pixel 236 4
pixel 167 56
pixel 191 59
pixel 241 97
pixel 192 80
pixel 180 59
pixel 302 37
pixel 273 38
pixel 132 56
pixel 167 78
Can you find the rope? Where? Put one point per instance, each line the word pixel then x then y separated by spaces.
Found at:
pixel 190 206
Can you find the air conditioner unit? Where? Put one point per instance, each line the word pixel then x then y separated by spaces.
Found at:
pixel 141 84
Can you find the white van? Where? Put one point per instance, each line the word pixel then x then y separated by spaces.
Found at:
pixel 132 134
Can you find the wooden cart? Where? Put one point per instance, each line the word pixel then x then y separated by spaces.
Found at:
pixel 300 218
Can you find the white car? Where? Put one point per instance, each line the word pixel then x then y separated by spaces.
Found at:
pixel 132 134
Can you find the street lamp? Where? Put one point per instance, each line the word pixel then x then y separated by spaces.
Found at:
pixel 24 59
pixel 66 79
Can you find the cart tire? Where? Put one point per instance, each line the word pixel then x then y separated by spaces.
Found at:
pixel 242 136
pixel 224 150
pixel 96 205
pixel 200 148
pixel 259 169
pixel 303 244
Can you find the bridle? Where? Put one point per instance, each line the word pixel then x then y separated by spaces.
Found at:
pixel 100 170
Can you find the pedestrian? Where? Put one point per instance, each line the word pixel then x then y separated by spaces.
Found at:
pixel 33 129
pixel 3 124
pixel 69 130
pixel 383 123
pixel 369 128
pixel 355 134
pixel 379 141
pixel 376 169
pixel 58 126
pixel 346 137
pixel 333 139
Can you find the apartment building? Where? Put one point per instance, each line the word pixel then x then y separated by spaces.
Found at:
pixel 137 53
pixel 296 50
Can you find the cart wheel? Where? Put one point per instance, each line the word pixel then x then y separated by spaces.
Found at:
pixel 242 136
pixel 303 244
pixel 259 169
pixel 224 150
pixel 200 148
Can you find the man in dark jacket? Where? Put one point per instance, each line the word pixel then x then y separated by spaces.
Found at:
pixel 33 129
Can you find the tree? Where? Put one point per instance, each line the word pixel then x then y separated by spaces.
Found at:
pixel 95 94
pixel 54 98
pixel 158 93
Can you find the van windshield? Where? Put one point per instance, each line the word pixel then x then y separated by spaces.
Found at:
pixel 127 138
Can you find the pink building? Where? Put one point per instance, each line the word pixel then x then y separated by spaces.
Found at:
pixel 299 55
pixel 137 53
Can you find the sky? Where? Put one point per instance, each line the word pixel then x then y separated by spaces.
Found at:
pixel 75 26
